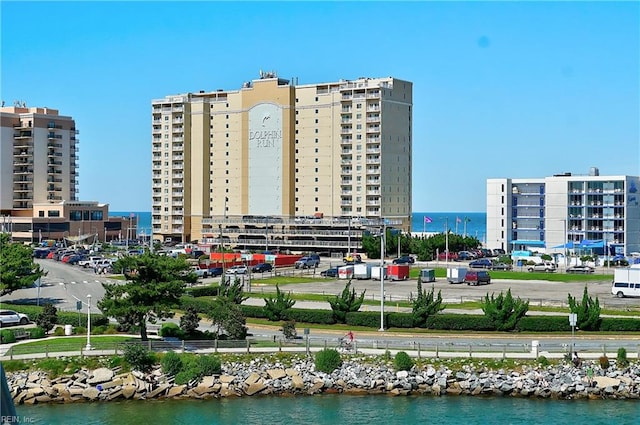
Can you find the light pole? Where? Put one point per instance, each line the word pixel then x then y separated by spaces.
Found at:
pixel 88 347
pixel 222 252
pixel 382 236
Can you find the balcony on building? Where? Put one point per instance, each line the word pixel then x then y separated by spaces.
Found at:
pixel 23 135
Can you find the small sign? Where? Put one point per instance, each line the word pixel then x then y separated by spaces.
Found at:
pixel 78 305
pixel 306 331
pixel 573 319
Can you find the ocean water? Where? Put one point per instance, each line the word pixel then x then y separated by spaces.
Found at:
pixel 335 409
pixel 144 219
pixel 473 223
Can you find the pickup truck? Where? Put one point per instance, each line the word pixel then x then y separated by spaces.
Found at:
pixel 306 263
pixel 89 262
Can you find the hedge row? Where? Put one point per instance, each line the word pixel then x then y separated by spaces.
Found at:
pixel 203 291
pixel 64 317
pixel 543 324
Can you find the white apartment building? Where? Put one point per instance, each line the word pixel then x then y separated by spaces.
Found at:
pixel 38 157
pixel 565 210
pixel 275 150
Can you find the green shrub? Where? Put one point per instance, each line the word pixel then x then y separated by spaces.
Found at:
pixel 398 320
pixel 387 355
pixel 289 329
pixel 200 305
pixel 36 333
pixel 604 362
pixel 111 329
pixel 543 361
pixel 203 291
pixel 543 324
pixel 195 367
pixel 171 363
pixel 139 357
pixel 619 324
pixel 185 376
pixel 59 331
pixel 460 322
pixel 47 318
pixel 369 319
pixel 171 329
pixel 323 317
pixel 75 319
pixel 621 359
pixel 7 336
pixel 402 361
pixel 253 311
pixel 80 330
pixel 328 360
pixel 98 330
pixel 209 365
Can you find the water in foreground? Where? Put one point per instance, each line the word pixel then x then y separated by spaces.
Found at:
pixel 336 409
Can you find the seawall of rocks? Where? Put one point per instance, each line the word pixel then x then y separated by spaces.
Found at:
pixel 365 376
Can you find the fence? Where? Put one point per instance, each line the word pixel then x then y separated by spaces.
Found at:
pixel 524 349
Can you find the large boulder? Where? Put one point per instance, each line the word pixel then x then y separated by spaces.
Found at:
pixel 100 375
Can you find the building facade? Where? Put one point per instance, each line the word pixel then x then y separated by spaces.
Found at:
pixel 565 211
pixel 39 181
pixel 38 157
pixel 274 149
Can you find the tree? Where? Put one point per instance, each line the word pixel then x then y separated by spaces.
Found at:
pixel 190 321
pixel 232 291
pixel 17 269
pixel 228 320
pixel 275 308
pixel 346 302
pixel 588 311
pixel 504 311
pixel 425 305
pixel 48 317
pixel 154 286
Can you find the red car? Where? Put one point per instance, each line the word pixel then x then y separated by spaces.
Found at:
pixel 452 256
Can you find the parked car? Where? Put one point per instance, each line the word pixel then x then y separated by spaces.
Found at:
pixel 452 256
pixel 332 272
pixel 466 255
pixel 262 267
pixel 545 266
pixel 41 252
pixel 501 266
pixel 477 277
pixel 581 269
pixel 215 271
pixel 481 263
pixel 10 317
pixel 405 259
pixel 306 263
pixel 237 270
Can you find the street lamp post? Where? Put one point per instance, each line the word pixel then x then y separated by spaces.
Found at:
pixel 221 251
pixel 88 347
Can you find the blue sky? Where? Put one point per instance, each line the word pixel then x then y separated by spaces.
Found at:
pixel 523 89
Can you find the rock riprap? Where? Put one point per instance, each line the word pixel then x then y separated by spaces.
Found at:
pixel 299 377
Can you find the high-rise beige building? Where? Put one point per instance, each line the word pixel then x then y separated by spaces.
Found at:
pixel 276 150
pixel 38 157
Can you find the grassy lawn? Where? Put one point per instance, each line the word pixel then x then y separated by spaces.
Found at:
pixel 71 343
pixel 414 272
